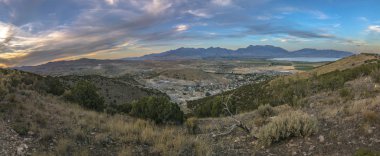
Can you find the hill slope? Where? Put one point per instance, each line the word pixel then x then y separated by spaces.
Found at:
pixel 114 90
pixel 291 89
pixel 332 113
pixel 35 122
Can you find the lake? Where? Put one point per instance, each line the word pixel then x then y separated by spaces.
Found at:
pixel 306 59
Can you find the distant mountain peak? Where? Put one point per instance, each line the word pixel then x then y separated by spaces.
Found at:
pixel 251 51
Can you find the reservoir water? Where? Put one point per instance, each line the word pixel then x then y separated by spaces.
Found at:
pixel 306 59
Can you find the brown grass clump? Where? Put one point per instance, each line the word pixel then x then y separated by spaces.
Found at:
pixel 287 125
pixel 266 110
pixel 191 125
pixel 370 116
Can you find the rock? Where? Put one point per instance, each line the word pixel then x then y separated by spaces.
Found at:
pixel 311 148
pixel 22 149
pixel 294 153
pixel 30 133
pixel 321 138
pixel 370 131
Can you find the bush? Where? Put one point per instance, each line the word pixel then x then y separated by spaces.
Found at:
pixel 158 109
pixel 21 128
pixel 366 152
pixel 213 108
pixel 344 93
pixel 85 94
pixel 191 125
pixel 123 109
pixel 55 87
pixel 291 124
pixel 3 93
pixel 265 110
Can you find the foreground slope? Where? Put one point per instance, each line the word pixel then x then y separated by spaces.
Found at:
pixel 336 112
pixel 38 123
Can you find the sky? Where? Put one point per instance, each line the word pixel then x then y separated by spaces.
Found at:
pixel 34 32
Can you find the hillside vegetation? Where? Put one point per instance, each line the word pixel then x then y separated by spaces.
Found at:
pixel 116 91
pixel 289 90
pixel 332 113
pixel 42 123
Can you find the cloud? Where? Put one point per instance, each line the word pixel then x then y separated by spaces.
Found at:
pixel 37 31
pixel 181 27
pixel 157 6
pixel 199 13
pixel 374 28
pixel 270 29
pixel 111 2
pixel 222 2
pixel 319 14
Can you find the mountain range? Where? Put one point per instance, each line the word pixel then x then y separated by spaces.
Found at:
pixel 252 51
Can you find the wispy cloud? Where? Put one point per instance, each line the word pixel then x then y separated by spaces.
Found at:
pixel 181 27
pixel 268 29
pixel 319 14
pixel 199 13
pixel 222 2
pixel 37 31
pixel 374 28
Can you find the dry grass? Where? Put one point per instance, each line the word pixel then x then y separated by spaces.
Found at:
pixel 191 125
pixel 84 132
pixel 266 110
pixel 370 116
pixel 287 125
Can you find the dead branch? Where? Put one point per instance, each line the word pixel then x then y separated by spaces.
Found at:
pixel 238 124
pixel 232 128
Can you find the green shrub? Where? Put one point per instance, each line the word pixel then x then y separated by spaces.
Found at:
pixel 266 110
pixel 3 93
pixel 284 126
pixel 85 94
pixel 54 86
pixel 344 93
pixel 123 108
pixel 22 128
pixel 158 109
pixel 214 108
pixel 366 152
pixel 14 81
